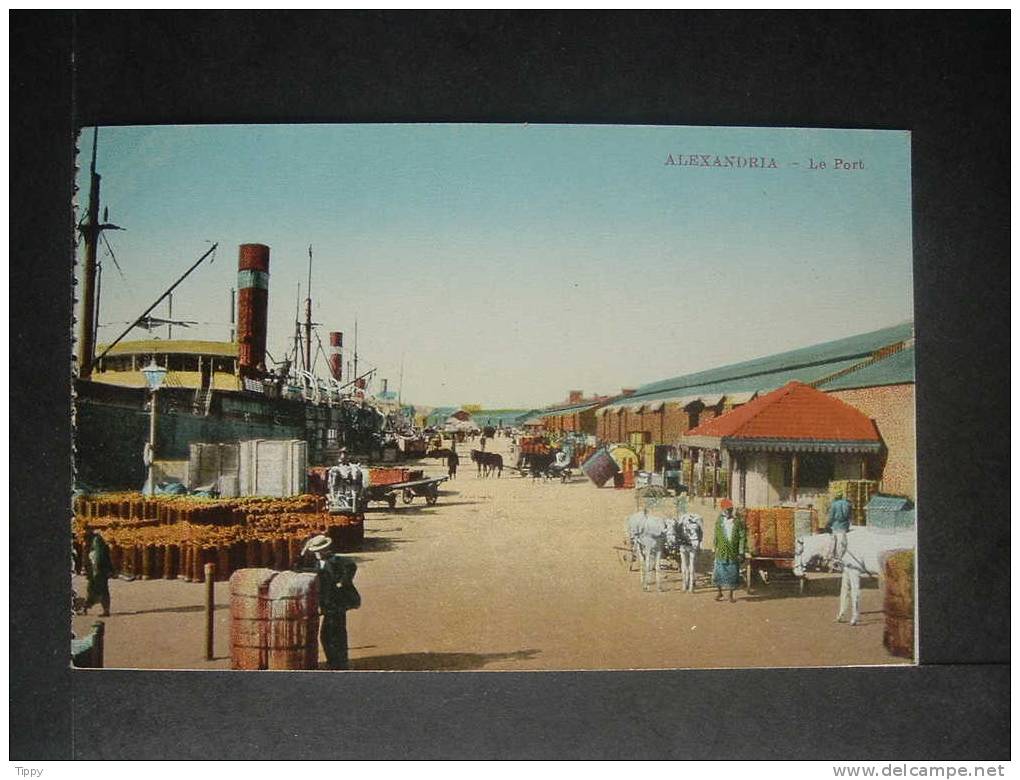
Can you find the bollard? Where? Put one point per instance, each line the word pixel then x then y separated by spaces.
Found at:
pixel 98 642
pixel 210 577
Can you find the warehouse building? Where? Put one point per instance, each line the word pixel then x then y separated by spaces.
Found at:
pixel 873 372
pixel 577 415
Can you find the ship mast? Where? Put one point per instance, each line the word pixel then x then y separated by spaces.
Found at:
pixel 298 352
pixel 90 230
pixel 308 316
pixel 355 347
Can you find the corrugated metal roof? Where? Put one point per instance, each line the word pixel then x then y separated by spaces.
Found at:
pixel 740 386
pixel 498 416
pixel 896 369
pixel 808 364
pixel 854 347
pixel 572 409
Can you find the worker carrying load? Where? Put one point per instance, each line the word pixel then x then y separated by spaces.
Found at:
pixel 346 482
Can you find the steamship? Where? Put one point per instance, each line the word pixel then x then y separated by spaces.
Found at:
pixel 212 391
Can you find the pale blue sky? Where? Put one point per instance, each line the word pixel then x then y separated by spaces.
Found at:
pixel 511 263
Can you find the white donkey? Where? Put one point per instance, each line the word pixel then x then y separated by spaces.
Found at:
pixel 647 539
pixel 864 548
pixel 684 538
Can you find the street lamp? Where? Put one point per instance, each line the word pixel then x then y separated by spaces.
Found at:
pixel 154 375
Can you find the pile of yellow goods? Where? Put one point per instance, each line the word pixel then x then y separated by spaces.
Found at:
pixel 858 492
pixel 771 532
pixel 274 619
pixel 136 508
pixel 898 571
pixel 261 532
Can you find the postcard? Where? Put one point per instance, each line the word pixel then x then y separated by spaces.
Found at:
pixel 447 397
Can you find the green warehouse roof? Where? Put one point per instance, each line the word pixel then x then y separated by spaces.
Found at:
pixel 808 365
pixel 896 369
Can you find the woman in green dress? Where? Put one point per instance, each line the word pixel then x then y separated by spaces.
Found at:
pixel 730 550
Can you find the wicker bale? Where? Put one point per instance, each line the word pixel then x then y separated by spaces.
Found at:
pixel 293 621
pixel 785 531
pixel 158 563
pixel 769 546
pixel 223 568
pixel 171 558
pixel 898 636
pixel 898 582
pixel 266 555
pixel 116 558
pixel 898 602
pixel 252 553
pixel 238 555
pixel 280 561
pixel 249 618
pixel 752 518
pixel 294 545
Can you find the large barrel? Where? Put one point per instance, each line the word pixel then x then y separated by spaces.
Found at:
pixel 898 571
pixel 600 468
pixel 294 621
pixel 249 618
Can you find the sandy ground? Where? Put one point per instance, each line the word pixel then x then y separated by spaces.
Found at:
pixel 514 574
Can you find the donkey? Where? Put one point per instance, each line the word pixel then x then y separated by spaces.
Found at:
pixel 647 535
pixel 684 540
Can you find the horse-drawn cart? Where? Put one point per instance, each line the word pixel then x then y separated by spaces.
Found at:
pixel 429 488
pixel 385 485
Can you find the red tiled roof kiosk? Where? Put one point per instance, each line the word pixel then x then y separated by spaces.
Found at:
pixel 786 445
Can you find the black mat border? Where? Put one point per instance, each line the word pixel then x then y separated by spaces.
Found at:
pixel 943 76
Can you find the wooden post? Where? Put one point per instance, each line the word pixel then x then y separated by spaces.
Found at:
pixel 729 481
pixel 715 476
pixel 210 577
pixel 98 638
pixel 743 480
pixel 794 462
pixel 864 467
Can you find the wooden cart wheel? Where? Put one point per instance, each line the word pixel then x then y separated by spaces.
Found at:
pixel 407 495
pixel 431 498
pixel 391 499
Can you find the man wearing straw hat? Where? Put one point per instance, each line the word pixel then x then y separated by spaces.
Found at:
pixel 337 594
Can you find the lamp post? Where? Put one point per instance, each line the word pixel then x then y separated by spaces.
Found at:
pixel 154 375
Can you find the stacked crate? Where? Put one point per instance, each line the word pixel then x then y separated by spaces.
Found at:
pixel 889 514
pixel 858 492
pixel 391 476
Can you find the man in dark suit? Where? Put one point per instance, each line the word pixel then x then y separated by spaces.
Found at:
pixel 337 594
